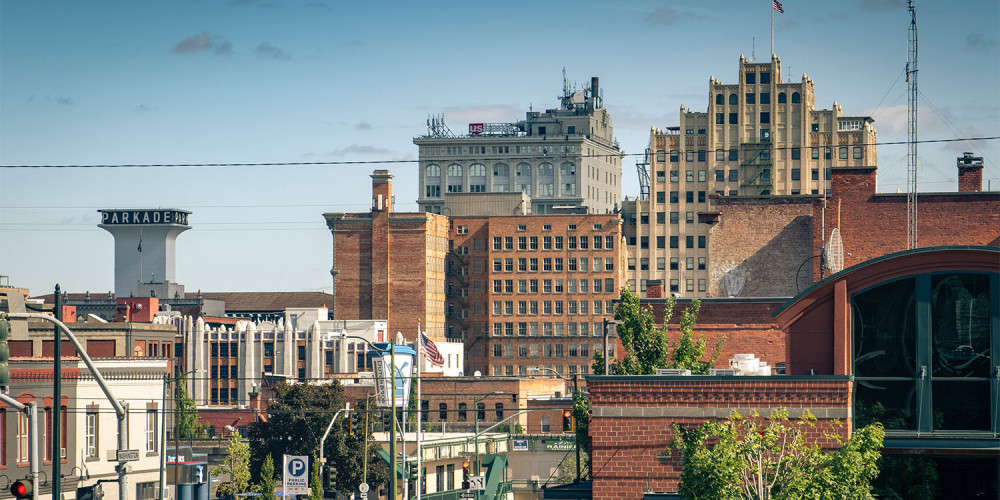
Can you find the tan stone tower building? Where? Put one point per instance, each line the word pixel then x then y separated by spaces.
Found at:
pixel 761 136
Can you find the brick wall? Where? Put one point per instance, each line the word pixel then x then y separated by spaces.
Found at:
pixel 631 418
pixel 758 245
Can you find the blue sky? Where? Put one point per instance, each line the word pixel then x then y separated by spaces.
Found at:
pixel 244 81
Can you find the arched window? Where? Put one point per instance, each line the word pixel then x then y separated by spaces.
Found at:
pixel 462 416
pixel 720 99
pixel 443 412
pixel 477 170
pixel 795 98
pixel 567 169
pixel 545 169
pixel 501 170
pixel 481 410
pixel 432 171
pixel 523 170
pixel 454 170
pixel 781 98
pixel 733 99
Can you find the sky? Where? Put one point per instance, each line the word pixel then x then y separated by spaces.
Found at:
pixel 242 81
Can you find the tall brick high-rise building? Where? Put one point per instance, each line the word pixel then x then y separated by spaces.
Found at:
pixel 522 292
pixel 760 136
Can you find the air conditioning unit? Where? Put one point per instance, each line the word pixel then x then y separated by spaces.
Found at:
pixel 673 372
pixel 723 373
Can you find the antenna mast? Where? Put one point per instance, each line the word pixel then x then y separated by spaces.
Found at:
pixel 911 138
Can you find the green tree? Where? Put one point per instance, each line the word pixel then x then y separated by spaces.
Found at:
pixel 298 415
pixel 236 465
pixel 581 415
pixel 759 459
pixel 315 480
pixel 188 426
pixel 267 483
pixel 648 347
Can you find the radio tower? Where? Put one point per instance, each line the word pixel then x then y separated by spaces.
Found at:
pixel 911 136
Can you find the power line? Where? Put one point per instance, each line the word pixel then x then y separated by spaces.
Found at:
pixel 555 155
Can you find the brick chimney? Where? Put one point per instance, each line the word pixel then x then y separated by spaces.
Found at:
pixel 970 173
pixel 381 191
pixel 654 289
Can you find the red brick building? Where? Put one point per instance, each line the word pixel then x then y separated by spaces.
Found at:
pixel 911 340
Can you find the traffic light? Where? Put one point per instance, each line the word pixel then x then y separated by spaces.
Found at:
pixel 567 421
pixel 95 492
pixel 21 489
pixel 413 472
pixel 4 354
pixel 330 483
pixel 465 475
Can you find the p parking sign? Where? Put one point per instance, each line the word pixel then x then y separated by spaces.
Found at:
pixel 295 474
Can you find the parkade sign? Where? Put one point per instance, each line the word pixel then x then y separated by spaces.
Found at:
pixel 135 217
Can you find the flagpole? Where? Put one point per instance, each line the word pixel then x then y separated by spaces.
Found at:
pixel 420 425
pixel 772 29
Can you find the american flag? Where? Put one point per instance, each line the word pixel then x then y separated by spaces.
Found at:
pixel 777 6
pixel 430 350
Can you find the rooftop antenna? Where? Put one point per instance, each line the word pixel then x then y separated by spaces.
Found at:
pixel 911 135
pixel 753 49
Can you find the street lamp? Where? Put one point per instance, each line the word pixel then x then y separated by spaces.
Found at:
pixel 607 358
pixel 576 441
pixel 163 431
pixel 475 403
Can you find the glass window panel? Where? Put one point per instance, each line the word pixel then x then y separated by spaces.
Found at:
pixel 890 402
pixel 884 331
pixel 960 325
pixel 961 405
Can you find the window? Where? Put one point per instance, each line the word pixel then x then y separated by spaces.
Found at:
pixel 689 284
pixel 675 156
pixel 689 241
pixel 701 155
pixel 674 217
pixel 673 242
pixel 796 154
pixel 701 242
pixel 701 197
pixel 674 176
pixel 826 152
pixel 673 196
pixel 454 170
pixel 701 263
pixel 661 197
pixel 781 98
pixel 661 242
pixel 151 430
pixel 689 196
pixel 689 263
pixel 720 175
pixel 689 155
pixel 432 171
pixel 702 175
pixel 720 118
pixel 90 432
pixel 734 155
pixel 751 98
pixel 765 117
pixel 481 411
pixel 661 217
pixel 765 97
pixel 733 100
pixel 734 118
pixel 857 153
pixel 674 264
pixel 443 412
pixel 751 78
pixel 842 153
pixel 796 174
pixel 795 98
pixel 720 99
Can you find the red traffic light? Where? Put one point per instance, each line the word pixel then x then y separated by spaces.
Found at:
pixel 21 489
pixel 567 417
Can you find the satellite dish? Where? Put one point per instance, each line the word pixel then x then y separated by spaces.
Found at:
pixel 835 252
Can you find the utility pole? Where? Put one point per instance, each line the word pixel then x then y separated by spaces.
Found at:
pixel 57 398
pixel 911 133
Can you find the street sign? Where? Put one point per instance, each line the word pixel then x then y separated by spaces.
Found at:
pixel 128 455
pixel 477 482
pixel 363 487
pixel 467 494
pixel 295 475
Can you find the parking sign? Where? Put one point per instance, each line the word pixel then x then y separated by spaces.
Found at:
pixel 295 474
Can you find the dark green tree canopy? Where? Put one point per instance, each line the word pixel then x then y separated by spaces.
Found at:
pixel 298 415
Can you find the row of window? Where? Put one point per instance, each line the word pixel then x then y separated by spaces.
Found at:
pixel 508 371
pixel 855 152
pixel 551 350
pixel 550 307
pixel 482 150
pixel 557 329
pixel 544 169
pixel 553 286
pixel 765 98
pixel 22 435
pixel 674 285
pixel 92 433
pixel 553 242
pixel 661 263
pixel 549 264
pixel 661 241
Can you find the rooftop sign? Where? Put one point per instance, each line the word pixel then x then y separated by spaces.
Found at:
pixel 114 217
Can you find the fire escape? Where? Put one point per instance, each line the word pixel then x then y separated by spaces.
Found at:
pixel 756 166
pixel 457 293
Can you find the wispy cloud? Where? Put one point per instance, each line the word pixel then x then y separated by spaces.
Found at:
pixel 665 16
pixel 978 42
pixel 363 126
pixel 359 149
pixel 204 42
pixel 270 51
pixel 60 100
pixel 883 5
pixel 496 113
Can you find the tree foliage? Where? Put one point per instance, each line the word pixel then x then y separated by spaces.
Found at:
pixel 315 480
pixel 267 483
pixel 188 426
pixel 647 346
pixel 298 415
pixel 581 415
pixel 755 458
pixel 236 465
